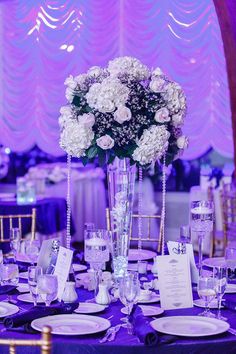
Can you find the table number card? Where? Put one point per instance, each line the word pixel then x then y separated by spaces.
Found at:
pixel 62 269
pixel 173 246
pixel 175 282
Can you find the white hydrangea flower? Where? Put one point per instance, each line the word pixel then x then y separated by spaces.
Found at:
pixel 129 67
pixel 75 139
pixel 81 81
pixel 174 97
pixel 178 119
pixel 107 95
pixel 70 94
pixel 152 145
pixel 70 82
pixel 157 72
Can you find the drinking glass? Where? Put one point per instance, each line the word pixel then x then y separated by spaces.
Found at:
pixel 201 223
pixel 230 259
pixel 9 274
pixel 129 290
pixel 33 275
pixel 15 238
pixel 207 292
pixel 32 248
pixel 48 288
pixel 220 275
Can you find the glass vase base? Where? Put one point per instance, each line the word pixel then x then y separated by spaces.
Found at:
pixel 120 265
pixel 207 314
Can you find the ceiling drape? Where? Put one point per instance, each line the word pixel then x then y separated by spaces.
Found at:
pixel 42 42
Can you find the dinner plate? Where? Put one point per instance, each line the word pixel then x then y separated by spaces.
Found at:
pixel 23 275
pixel 200 303
pixel 190 326
pixel 7 309
pixel 134 266
pixel 72 325
pixel 140 255
pixel 213 262
pixel 27 297
pixel 89 307
pixel 79 267
pixel 154 298
pixel 147 310
pixel 23 287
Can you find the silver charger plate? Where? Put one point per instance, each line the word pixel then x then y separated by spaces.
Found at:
pixel 71 325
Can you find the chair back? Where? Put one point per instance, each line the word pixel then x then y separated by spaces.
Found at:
pixel 148 219
pixel 45 343
pixel 17 220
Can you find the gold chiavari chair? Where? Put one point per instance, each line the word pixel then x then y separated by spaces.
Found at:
pixel 228 205
pixel 147 238
pixel 45 343
pixel 18 221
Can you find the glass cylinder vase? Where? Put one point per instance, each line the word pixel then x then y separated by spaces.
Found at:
pixel 121 181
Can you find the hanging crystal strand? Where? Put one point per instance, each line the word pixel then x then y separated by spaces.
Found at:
pixel 163 205
pixel 140 206
pixel 68 215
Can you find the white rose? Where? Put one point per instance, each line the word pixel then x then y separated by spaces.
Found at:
pixel 157 72
pixel 122 114
pixel 95 71
pixel 70 82
pixel 157 85
pixel 87 120
pixel 182 142
pixel 66 111
pixel 177 119
pixel 105 142
pixel 162 115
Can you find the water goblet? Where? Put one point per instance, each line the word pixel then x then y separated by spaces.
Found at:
pixel 201 223
pixel 32 250
pixel 230 259
pixel 34 272
pixel 207 292
pixel 220 275
pixel 47 288
pixel 15 238
pixel 9 274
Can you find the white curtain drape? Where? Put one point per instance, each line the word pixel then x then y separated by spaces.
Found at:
pixel 42 42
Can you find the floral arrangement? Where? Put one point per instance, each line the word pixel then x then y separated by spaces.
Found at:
pixel 124 110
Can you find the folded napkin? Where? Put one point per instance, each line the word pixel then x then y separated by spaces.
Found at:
pixel 4 289
pixel 23 318
pixel 142 328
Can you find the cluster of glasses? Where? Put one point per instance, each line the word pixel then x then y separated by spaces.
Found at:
pixel 42 286
pixel 31 247
pixel 213 287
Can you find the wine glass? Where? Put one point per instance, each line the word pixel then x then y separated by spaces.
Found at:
pixel 32 250
pixel 129 290
pixel 207 292
pixel 15 238
pixel 201 223
pixel 220 275
pixel 33 275
pixel 47 288
pixel 230 259
pixel 9 274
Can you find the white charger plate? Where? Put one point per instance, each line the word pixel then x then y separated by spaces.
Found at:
pixel 140 255
pixel 154 298
pixel 147 310
pixel 213 262
pixel 200 303
pixel 72 325
pixel 27 297
pixel 79 267
pixel 190 326
pixel 7 309
pixel 89 307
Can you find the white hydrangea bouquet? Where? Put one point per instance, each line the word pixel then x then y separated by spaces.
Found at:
pixel 124 110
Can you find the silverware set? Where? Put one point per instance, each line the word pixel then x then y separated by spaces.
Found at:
pixel 111 333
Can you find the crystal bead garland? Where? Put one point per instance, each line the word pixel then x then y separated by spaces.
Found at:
pixel 68 214
pixel 163 215
pixel 140 206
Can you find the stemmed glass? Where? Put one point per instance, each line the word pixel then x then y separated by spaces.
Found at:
pixel 129 290
pixel 220 275
pixel 48 288
pixel 15 238
pixel 201 223
pixel 32 250
pixel 230 259
pixel 207 292
pixel 33 274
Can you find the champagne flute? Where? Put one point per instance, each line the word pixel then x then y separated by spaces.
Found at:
pixel 15 238
pixel 230 259
pixel 207 292
pixel 48 288
pixel 33 275
pixel 220 275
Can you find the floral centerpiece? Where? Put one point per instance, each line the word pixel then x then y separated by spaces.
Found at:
pixel 124 110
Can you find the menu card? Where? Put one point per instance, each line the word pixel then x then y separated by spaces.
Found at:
pixel 62 268
pixel 175 282
pixel 173 246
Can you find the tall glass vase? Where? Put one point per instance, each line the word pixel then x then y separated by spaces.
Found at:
pixel 121 181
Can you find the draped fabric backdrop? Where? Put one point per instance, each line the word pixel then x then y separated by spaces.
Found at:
pixel 42 42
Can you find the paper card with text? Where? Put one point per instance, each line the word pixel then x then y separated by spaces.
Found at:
pixel 173 246
pixel 62 269
pixel 175 282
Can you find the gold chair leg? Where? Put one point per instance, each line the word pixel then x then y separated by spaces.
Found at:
pixel 46 338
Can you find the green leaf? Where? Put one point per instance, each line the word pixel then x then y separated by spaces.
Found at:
pixel 84 160
pixel 92 152
pixel 76 101
pixel 87 109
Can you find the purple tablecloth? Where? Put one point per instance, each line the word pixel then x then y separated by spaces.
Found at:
pixel 127 344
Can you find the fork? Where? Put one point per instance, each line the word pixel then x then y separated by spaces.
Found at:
pixel 232 331
pixel 110 334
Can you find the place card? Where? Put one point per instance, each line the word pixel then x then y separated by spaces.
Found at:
pixel 62 269
pixel 173 247
pixel 174 282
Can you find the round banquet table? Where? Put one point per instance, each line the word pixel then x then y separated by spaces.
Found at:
pixel 129 344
